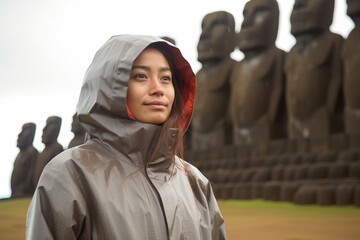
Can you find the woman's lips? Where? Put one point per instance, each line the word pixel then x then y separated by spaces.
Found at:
pixel 156 104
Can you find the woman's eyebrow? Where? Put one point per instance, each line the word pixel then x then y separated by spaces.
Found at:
pixel 140 66
pixel 163 69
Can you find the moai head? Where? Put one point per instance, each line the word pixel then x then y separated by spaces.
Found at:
pixel 260 25
pixel 217 39
pixel 353 10
pixel 26 136
pixel 309 16
pixel 76 128
pixel 51 130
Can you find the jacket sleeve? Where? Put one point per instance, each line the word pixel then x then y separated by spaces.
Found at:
pixel 213 220
pixel 57 208
pixel 218 224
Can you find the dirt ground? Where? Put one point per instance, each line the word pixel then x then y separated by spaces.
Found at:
pixel 245 220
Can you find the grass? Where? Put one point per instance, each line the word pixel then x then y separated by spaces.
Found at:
pixel 245 220
pixel 258 219
pixel 12 218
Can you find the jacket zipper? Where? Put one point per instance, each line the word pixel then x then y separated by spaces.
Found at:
pixel 160 202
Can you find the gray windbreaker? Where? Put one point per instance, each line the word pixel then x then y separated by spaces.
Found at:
pixel 103 189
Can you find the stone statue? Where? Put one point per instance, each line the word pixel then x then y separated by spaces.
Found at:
pixel 351 56
pixel 314 74
pixel 21 177
pixel 210 126
pixel 52 147
pixel 79 132
pixel 257 106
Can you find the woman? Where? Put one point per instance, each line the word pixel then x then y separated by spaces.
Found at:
pixel 127 181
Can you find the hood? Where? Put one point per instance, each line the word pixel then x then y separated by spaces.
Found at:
pixel 102 102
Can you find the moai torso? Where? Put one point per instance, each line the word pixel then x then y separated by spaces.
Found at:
pixel 52 147
pixel 76 141
pixel 313 86
pixel 79 132
pixel 314 74
pixel 257 89
pixel 257 96
pixel 209 121
pixel 351 56
pixel 44 157
pixel 21 178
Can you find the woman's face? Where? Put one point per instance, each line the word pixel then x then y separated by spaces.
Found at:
pixel 151 93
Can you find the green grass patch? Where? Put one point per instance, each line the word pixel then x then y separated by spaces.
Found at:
pixel 286 206
pixel 244 219
pixel 271 220
pixel 12 218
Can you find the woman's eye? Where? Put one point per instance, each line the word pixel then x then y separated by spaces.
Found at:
pixel 139 76
pixel 166 78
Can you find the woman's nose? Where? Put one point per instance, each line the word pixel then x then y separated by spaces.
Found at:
pixel 156 87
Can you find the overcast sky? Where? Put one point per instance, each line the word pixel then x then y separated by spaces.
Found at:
pixel 47 45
